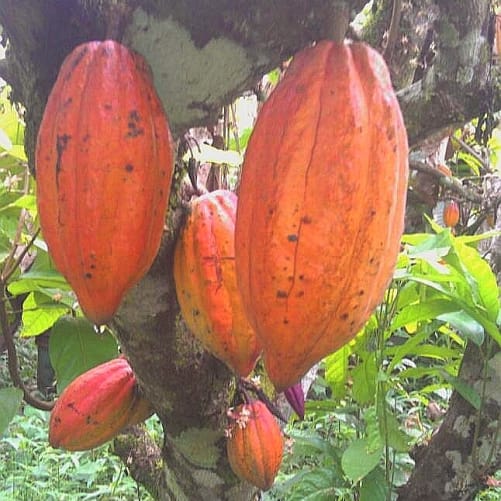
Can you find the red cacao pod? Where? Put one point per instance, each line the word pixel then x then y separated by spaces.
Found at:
pixel 206 285
pixel 321 205
pixel 450 215
pixel 103 169
pixel 255 444
pixel 94 407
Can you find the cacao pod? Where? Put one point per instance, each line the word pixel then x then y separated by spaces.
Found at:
pixel 95 407
pixel 206 285
pixel 321 205
pixel 451 214
pixel 103 169
pixel 255 444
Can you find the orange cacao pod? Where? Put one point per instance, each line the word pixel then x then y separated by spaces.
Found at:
pixel 255 444
pixel 321 205
pixel 94 407
pixel 451 213
pixel 104 167
pixel 206 284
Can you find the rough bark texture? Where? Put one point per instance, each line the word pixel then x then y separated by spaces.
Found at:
pixel 203 54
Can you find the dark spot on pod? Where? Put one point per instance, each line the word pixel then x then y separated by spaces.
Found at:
pixel 290 278
pixel 352 323
pixel 271 211
pixel 282 294
pixel 88 275
pixel 86 138
pixel 373 212
pixel 133 128
pixel 286 321
pixel 292 238
pixel 76 61
pixel 344 316
pixel 301 277
pixel 92 266
pixel 361 292
pixel 129 167
pixel 107 106
pixel 300 294
pixel 306 220
pixel 88 419
pixel 196 313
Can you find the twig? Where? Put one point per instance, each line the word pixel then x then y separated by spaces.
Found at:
pixel 449 182
pixel 471 151
pixel 396 13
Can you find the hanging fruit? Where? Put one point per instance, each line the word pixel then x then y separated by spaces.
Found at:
pixel 103 169
pixel 450 215
pixel 96 406
pixel 206 285
pixel 255 444
pixel 321 205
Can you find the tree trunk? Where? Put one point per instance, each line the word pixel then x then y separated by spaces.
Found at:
pixel 202 55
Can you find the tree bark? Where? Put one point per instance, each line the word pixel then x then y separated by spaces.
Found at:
pixel 202 55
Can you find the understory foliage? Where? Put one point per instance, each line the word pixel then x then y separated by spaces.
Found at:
pixel 370 404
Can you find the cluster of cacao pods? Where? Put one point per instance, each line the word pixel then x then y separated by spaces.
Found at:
pixel 291 272
pixel 97 406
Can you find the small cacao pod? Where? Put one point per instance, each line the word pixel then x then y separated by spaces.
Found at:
pixel 103 171
pixel 206 285
pixel 95 407
pixel 255 444
pixel 451 214
pixel 321 205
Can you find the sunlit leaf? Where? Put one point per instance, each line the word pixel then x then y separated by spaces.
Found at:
pixel 466 325
pixel 40 312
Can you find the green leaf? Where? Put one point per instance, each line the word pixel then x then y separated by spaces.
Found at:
pixel 315 484
pixel 75 347
pixel 466 325
pixel 374 486
pixel 40 312
pixel 364 381
pixel 336 370
pixel 481 278
pixel 391 432
pixel 464 389
pixel 422 311
pixel 10 401
pixel 357 461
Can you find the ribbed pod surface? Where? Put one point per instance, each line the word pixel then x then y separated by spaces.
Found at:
pixel 206 284
pixel 321 205
pixel 103 167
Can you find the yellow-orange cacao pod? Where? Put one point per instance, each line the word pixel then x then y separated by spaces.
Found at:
pixel 206 285
pixel 321 205
pixel 255 444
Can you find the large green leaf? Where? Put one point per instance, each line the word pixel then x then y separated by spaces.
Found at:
pixel 40 312
pixel 469 327
pixel 10 401
pixel 364 381
pixel 481 278
pixel 75 347
pixel 358 461
pixel 336 370
pixel 422 311
pixel 374 486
